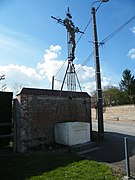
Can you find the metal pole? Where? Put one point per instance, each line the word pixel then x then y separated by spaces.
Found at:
pixel 127 157
pixel 98 78
pixel 52 82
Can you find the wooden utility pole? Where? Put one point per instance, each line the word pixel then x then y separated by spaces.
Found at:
pixel 98 79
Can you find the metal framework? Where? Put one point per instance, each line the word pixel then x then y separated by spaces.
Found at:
pixel 70 74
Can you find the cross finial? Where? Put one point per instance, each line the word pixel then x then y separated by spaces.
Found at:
pixel 68 14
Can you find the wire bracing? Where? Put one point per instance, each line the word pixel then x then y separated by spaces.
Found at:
pixel 109 37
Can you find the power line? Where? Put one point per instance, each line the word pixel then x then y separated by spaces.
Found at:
pixel 59 20
pixel 87 25
pixel 84 30
pixel 85 62
pixel 60 68
pixel 66 83
pixel 110 36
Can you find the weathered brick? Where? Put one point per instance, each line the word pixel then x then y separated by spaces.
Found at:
pixel 39 110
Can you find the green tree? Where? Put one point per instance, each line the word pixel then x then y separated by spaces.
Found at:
pixel 133 92
pixel 113 96
pixel 127 84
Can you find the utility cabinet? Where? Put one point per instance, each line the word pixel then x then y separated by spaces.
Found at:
pixel 72 133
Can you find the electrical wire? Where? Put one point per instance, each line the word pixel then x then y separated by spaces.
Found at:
pixel 80 39
pixel 60 68
pixel 66 83
pixel 84 31
pixel 88 24
pixel 85 62
pixel 110 36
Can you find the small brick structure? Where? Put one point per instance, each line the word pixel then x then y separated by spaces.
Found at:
pixel 37 110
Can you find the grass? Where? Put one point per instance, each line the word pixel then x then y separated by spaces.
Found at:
pixel 53 167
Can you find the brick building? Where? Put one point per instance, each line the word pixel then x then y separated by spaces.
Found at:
pixel 37 110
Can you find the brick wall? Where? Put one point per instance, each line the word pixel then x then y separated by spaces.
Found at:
pixel 37 110
pixel 118 113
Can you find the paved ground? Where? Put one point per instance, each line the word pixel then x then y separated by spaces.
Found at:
pixel 111 150
pixel 123 127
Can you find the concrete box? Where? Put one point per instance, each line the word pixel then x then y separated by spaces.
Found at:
pixel 72 133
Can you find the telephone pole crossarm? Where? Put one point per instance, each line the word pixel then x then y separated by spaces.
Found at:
pixel 60 21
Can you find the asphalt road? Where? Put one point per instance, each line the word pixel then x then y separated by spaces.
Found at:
pixel 122 128
pixel 111 149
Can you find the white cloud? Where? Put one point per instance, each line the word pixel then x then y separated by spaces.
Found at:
pixel 23 75
pixel 52 62
pixel 105 81
pixel 87 79
pixel 131 53
pixel 41 75
pixel 133 29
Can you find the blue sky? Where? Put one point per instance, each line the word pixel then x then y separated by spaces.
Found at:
pixel 33 46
